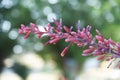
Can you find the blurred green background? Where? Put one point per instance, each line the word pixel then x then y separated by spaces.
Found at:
pixel 27 58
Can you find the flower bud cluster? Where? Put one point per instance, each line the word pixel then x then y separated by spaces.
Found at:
pixel 105 49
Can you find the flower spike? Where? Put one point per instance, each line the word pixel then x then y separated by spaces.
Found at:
pixel 99 46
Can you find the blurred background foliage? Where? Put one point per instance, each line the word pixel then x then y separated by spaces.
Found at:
pixel 101 14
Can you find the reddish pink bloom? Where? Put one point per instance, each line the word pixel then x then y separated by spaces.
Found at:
pixel 98 45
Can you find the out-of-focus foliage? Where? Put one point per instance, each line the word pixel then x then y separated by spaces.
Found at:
pixel 100 14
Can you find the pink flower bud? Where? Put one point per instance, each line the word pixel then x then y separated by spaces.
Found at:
pixel 106 43
pixel 111 42
pixel 54 41
pixel 49 27
pixel 56 30
pixel 83 35
pixel 27 34
pixel 118 46
pixel 108 58
pixel 88 51
pixel 73 33
pixel 20 31
pixel 80 44
pixel 66 29
pixel 100 57
pixel 100 38
pixel 22 26
pixel 91 47
pixel 64 51
pixel 56 23
pixel 89 34
pixel 98 32
pixel 39 34
pixel 33 25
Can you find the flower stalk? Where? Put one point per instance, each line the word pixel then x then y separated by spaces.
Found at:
pixel 104 49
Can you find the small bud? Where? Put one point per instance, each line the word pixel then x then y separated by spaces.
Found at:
pixel 98 32
pixel 100 38
pixel 73 33
pixel 27 34
pixel 66 29
pixel 49 26
pixel 20 31
pixel 111 42
pixel 83 35
pixel 108 59
pixel 55 22
pixel 100 57
pixel 64 51
pixel 54 41
pixel 32 24
pixel 22 26
pixel 89 28
pixel 88 51
pixel 91 47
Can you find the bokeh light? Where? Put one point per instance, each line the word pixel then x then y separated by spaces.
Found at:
pixel 6 25
pixel 17 49
pixel 9 75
